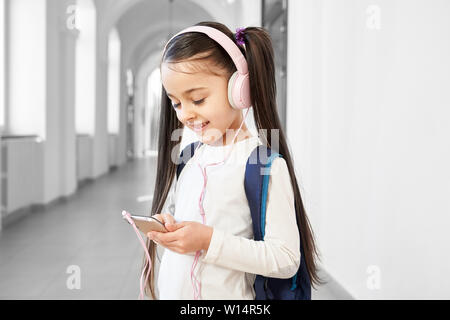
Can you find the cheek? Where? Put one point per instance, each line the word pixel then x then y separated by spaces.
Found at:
pixel 220 119
pixel 218 127
pixel 220 114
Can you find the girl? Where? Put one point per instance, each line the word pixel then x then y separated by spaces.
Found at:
pixel 209 249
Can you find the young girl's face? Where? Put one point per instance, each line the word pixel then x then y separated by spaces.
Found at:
pixel 200 97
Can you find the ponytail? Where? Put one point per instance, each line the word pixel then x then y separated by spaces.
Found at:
pixel 260 60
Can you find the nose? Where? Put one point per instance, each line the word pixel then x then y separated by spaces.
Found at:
pixel 186 113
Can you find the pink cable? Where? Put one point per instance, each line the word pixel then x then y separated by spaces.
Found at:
pixel 195 282
pixel 127 216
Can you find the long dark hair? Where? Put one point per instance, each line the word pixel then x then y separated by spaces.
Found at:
pixel 259 54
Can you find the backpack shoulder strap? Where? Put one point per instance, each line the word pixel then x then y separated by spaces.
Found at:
pixel 256 184
pixel 257 174
pixel 186 155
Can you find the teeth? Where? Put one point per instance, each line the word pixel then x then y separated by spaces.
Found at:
pixel 201 126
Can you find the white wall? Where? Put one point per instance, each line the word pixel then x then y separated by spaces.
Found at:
pixel 59 166
pixel 101 139
pixel 66 122
pixel 370 106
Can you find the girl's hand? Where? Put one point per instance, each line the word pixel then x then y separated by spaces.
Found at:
pixel 165 218
pixel 184 237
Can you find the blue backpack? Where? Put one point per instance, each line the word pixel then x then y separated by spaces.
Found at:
pixel 256 185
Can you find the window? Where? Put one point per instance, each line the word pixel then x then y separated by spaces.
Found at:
pixel 152 106
pixel 274 19
pixel 113 82
pixel 26 67
pixel 85 66
pixel 2 64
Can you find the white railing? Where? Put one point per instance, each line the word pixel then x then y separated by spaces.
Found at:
pixel 22 176
pixel 113 140
pixel 84 156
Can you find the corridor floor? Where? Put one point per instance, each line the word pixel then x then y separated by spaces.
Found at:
pixel 46 252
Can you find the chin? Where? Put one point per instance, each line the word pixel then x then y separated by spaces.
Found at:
pixel 208 139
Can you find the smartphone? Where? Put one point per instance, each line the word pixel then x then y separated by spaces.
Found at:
pixel 147 224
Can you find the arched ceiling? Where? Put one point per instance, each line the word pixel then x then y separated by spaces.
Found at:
pixel 221 10
pixel 145 27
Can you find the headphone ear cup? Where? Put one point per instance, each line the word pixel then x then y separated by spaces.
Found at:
pixel 239 91
pixel 231 88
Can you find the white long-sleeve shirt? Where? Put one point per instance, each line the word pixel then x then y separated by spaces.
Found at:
pixel 227 270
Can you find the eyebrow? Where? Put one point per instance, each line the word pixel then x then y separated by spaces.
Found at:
pixel 187 91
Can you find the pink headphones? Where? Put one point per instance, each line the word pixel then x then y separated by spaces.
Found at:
pixel 239 98
pixel 239 84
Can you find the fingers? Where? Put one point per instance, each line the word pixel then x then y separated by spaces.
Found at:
pixel 169 222
pixel 165 218
pixel 174 246
pixel 173 226
pixel 162 237
pixel 172 240
pixel 159 217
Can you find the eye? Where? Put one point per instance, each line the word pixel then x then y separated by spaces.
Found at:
pixel 199 101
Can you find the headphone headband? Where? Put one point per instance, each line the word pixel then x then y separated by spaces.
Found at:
pixel 230 47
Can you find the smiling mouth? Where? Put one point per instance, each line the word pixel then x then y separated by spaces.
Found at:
pixel 200 127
